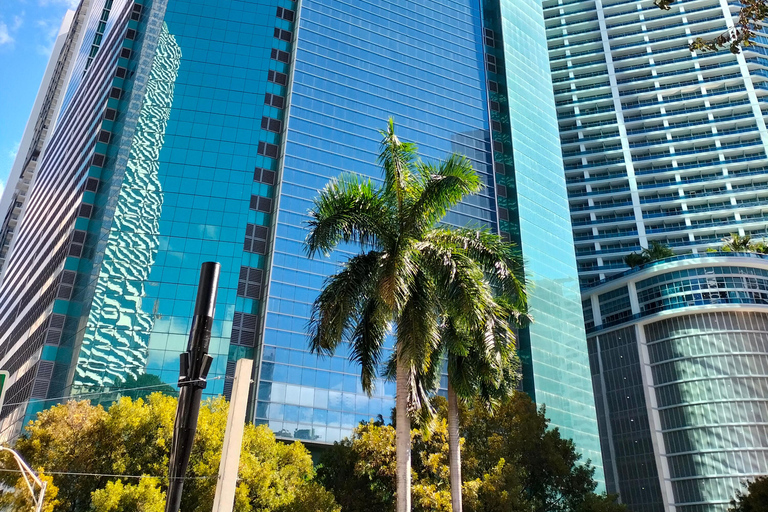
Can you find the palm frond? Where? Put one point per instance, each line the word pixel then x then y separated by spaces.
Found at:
pixel 443 187
pixel 465 294
pixel 368 340
pixel 397 159
pixel 348 209
pixel 501 262
pixel 337 308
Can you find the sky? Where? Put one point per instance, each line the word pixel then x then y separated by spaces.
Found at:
pixel 28 29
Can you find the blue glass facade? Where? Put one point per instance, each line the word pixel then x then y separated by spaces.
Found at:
pixel 355 67
pixel 224 121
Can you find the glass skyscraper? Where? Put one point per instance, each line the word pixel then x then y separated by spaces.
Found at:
pixel 195 131
pixel 661 144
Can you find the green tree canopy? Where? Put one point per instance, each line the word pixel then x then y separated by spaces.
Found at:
pixel 755 499
pixel 655 251
pixel 512 462
pixel 75 442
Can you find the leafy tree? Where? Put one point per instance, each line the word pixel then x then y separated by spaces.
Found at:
pixel 754 500
pixel 512 462
pixel 410 274
pixel 751 17
pixel 361 470
pixel 75 442
pixel 145 496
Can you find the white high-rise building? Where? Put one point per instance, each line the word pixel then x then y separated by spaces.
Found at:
pixel 659 143
pixel 40 124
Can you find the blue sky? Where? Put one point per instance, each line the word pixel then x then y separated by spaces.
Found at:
pixel 28 29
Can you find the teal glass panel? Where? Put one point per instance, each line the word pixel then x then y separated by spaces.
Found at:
pixel 559 363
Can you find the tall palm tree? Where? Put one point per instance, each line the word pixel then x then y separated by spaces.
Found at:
pixel 404 275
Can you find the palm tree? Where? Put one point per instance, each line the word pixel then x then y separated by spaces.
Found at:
pixel 634 259
pixel 736 243
pixel 657 251
pixel 408 275
pixel 483 368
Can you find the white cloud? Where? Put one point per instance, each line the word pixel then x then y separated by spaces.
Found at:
pixel 50 29
pixel 5 35
pixel 69 4
pixel 14 149
pixel 18 21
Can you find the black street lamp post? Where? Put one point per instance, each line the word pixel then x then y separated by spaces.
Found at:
pixel 195 363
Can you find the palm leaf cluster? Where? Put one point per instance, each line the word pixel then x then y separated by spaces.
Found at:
pixel 437 289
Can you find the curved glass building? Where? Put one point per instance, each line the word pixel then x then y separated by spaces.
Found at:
pixel 679 356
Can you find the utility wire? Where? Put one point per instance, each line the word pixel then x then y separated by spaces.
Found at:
pixel 69 473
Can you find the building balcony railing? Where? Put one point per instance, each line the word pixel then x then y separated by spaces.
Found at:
pixel 683 124
pixel 620 234
pixel 698 164
pixel 703 225
pixel 706 81
pixel 554 15
pixel 683 97
pixel 669 38
pixel 594 165
pixel 601 206
pixel 579 77
pixel 604 149
pixel 694 210
pixel 576 180
pixel 652 8
pixel 584 251
pixel 572 2
pixel 654 54
pixel 701 108
pixel 591 124
pixel 707 135
pixel 706 149
pixel 576 54
pixel 597 192
pixel 590 222
pixel 665 26
pixel 583 88
pixel 690 71
pixel 579 66
pixel 596 28
pixel 683 257
pixel 599 136
pixel 570 101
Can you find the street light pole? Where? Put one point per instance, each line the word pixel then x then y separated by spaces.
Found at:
pixel 194 366
pixel 28 475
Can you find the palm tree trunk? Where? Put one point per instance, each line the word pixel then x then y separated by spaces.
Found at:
pixel 403 438
pixel 454 449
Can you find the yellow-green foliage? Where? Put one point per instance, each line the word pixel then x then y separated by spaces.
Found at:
pixel 145 496
pixel 133 437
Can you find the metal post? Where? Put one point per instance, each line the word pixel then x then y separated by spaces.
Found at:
pixel 224 501
pixel 194 366
pixel 28 475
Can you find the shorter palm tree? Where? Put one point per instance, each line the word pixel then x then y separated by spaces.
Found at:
pixel 737 243
pixel 657 251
